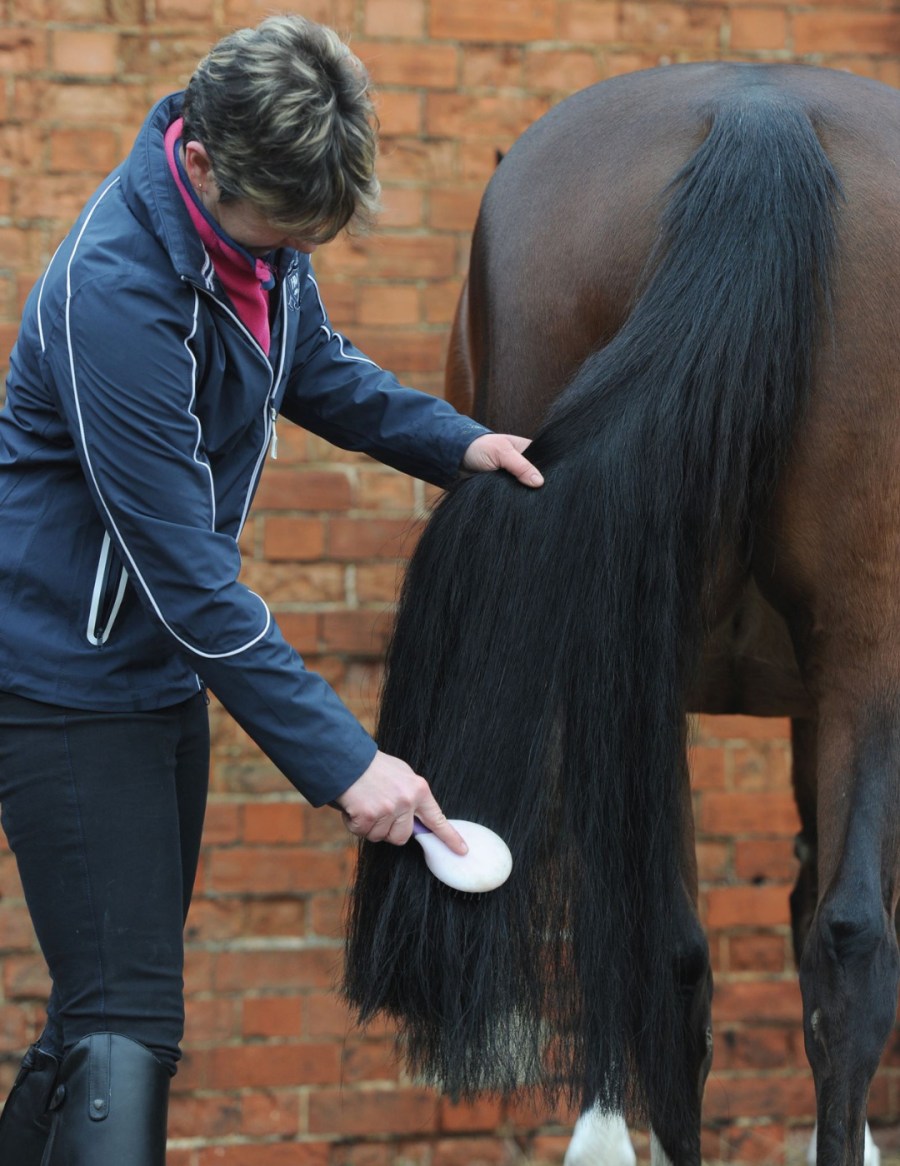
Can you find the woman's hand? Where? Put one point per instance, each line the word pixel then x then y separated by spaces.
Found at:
pixel 502 451
pixel 381 805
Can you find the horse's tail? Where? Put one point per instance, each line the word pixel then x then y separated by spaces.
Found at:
pixel 545 640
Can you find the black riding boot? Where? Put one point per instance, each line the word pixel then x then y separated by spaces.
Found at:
pixel 109 1106
pixel 25 1122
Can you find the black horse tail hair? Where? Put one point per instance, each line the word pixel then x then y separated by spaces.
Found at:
pixel 546 639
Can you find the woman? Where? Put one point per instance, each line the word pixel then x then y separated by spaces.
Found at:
pixel 177 321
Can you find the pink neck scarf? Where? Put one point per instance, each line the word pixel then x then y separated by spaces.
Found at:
pixel 247 280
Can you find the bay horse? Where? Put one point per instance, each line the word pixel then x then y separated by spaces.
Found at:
pixel 684 283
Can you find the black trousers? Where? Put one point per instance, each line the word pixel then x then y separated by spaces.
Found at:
pixel 104 813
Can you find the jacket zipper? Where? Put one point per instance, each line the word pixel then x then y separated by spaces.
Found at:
pixel 270 442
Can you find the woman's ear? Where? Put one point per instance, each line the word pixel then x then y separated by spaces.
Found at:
pixel 198 165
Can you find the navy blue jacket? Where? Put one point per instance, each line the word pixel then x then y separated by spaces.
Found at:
pixel 139 415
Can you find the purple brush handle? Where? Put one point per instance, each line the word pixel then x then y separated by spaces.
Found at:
pixel 419 828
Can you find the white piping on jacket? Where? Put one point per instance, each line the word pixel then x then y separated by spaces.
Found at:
pixel 40 322
pixel 100 580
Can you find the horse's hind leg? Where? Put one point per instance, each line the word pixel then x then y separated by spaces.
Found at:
pixel 806 889
pixel 850 965
pixel 676 1135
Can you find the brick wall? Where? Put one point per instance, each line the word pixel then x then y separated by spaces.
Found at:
pixel 273 1071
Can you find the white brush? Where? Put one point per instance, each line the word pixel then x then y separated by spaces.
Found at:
pixel 485 867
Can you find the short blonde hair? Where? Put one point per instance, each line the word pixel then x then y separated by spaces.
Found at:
pixel 284 111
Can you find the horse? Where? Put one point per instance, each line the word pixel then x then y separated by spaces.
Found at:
pixel 683 284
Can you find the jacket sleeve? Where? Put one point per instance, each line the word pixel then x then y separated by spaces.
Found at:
pixel 125 377
pixel 337 392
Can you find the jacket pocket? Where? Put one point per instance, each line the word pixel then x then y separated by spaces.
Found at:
pixel 109 590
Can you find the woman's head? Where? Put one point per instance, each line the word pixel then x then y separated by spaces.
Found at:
pixel 285 115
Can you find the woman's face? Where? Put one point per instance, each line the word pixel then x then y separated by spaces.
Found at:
pixel 238 218
pixel 243 223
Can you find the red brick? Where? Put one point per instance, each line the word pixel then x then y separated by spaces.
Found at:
pixel 327 1017
pixel 494 67
pixel 713 861
pixel 790 1095
pixel 763 858
pixel 239 971
pixel 177 10
pixel 377 582
pixel 78 151
pixel 440 301
pixel 595 22
pixel 212 1020
pixel 399 112
pixel 470 1152
pixel 16 931
pixel 394 18
pixel 263 870
pixel 266 1154
pixel 211 920
pixel 763 767
pixel 400 207
pixel 459 115
pixel 753 1048
pixel 387 305
pixel 85 52
pixel 272 1016
pixel 746 906
pixel 274 822
pixel 758 28
pixel 421 64
pixel 298 489
pixel 737 728
pixel 383 489
pixel 277 916
pixel 421 161
pixel 369 1060
pixel 454 208
pixel 22 50
pixel 251 1066
pixel 203 1117
pixel 484 1114
pixel 289 582
pixel 762 1142
pixel 293 538
pixel 707 764
pixel 270 1112
pixel 370 538
pixel 758 953
pixel 763 814
pixel 696 26
pixel 840 31
pixel 25 977
pixel 362 632
pixel 405 351
pixel 373 1111
pixel 221 824
pixel 761 1000
pixel 407 257
pixel 503 20
pixel 562 72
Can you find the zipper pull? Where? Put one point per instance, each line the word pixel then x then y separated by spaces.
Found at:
pixel 273 448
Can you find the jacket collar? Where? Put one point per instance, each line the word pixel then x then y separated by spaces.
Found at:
pixel 152 196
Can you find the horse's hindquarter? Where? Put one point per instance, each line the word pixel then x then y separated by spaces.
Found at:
pixel 829 559
pixel 565 231
pixel 565 228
